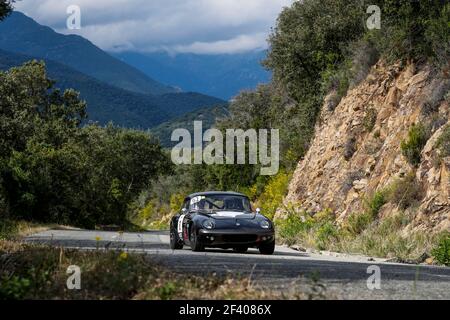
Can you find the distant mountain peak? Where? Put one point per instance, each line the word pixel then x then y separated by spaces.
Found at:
pixel 218 75
pixel 21 34
pixel 108 103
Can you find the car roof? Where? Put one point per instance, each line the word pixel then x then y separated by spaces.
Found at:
pixel 210 193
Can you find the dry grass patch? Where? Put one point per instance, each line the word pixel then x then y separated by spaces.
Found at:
pixel 40 272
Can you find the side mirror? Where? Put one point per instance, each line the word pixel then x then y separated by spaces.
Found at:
pixel 258 210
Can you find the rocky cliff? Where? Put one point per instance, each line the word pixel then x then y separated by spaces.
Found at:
pixel 356 150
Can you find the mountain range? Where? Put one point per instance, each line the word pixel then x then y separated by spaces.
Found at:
pixel 121 87
pixel 208 116
pixel 108 103
pixel 221 75
pixel 21 34
pixel 113 90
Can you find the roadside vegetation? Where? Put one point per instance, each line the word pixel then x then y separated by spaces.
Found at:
pixel 30 271
pixel 444 142
pixel 37 272
pixel 15 230
pixel 412 147
pixel 361 234
pixel 365 232
pixel 58 168
pixel 442 250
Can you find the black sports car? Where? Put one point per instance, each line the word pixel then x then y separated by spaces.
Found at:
pixel 221 220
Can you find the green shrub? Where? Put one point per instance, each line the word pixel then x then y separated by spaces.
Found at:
pixel 272 197
pixel 412 29
pixel 406 192
pixel 358 222
pixel 305 46
pixel 384 239
pixel 337 80
pixel 442 252
pixel 444 142
pixel 438 36
pixel 370 118
pixel 13 287
pixel 376 203
pixel 7 228
pixel 167 291
pixel 291 228
pixel 324 216
pixel 349 148
pixel 295 226
pixel 364 55
pixel 313 231
pixel 412 147
pixel 325 233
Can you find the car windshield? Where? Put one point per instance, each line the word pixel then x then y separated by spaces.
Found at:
pixel 220 203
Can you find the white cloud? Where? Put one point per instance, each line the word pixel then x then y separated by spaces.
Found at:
pixel 238 44
pixel 198 26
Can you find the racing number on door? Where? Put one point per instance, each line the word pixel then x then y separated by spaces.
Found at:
pixel 180 226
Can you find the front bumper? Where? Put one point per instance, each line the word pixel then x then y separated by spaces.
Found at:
pixel 233 238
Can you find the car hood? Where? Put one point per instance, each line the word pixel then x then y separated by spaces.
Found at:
pixel 223 215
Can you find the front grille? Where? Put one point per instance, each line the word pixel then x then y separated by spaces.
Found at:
pixel 239 238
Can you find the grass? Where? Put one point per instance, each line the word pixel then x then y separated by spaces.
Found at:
pixel 418 136
pixel 442 250
pixel 11 229
pixel 406 192
pixel 273 194
pixel 363 233
pixel 374 205
pixel 311 231
pixel 358 222
pixel 39 272
pixel 444 142
pixel 32 272
pixel 370 119
pixel 384 239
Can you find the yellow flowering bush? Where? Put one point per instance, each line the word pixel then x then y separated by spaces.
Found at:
pixel 272 197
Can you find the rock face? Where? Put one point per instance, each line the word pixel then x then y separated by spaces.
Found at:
pixel 356 149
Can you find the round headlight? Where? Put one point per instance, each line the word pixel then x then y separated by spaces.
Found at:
pixel 264 224
pixel 208 224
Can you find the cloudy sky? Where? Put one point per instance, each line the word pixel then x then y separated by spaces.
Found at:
pixel 197 26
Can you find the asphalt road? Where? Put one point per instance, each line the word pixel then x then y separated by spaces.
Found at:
pixel 288 271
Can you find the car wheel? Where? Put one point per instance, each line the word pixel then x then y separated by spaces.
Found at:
pixel 196 246
pixel 267 248
pixel 240 249
pixel 175 243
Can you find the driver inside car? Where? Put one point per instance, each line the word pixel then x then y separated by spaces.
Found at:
pixel 233 204
pixel 203 205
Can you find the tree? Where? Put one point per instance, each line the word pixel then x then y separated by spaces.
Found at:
pixel 30 106
pixel 54 169
pixel 5 8
pixel 309 39
pixel 35 121
pixel 414 30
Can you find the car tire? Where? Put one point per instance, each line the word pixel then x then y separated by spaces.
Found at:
pixel 196 246
pixel 267 248
pixel 175 242
pixel 240 249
